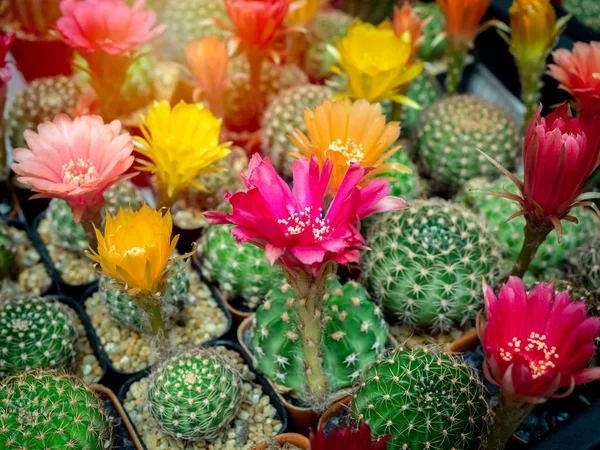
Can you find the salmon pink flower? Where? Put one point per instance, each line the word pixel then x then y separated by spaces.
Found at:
pixel 578 73
pixel 292 226
pixel 347 438
pixel 75 160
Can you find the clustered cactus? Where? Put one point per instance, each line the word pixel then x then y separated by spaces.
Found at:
pixel 36 333
pixel 7 251
pixel 423 399
pixel 426 264
pixel 51 410
pixel 353 335
pixel 194 395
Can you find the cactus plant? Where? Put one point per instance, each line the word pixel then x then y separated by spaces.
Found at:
pixel 584 269
pixel 36 333
pixel 194 395
pixel 405 185
pixel 433 47
pixel 586 11
pixel 449 133
pixel 283 116
pixel 34 17
pixel 240 270
pixel 353 335
pixel 7 251
pixel 425 89
pixel 325 28
pixel 128 312
pixel 426 264
pixel 424 400
pixel 51 410
pixel 494 212
pixel 39 102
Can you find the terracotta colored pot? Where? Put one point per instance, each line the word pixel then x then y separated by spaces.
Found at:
pixel 469 341
pixel 42 57
pixel 333 410
pixel 298 440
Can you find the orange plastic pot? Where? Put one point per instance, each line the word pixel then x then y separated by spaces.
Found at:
pixel 297 440
pixel 334 410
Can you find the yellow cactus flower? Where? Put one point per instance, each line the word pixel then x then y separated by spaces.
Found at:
pixel 181 144
pixel 375 62
pixel 135 250
pixel 302 11
pixel 348 132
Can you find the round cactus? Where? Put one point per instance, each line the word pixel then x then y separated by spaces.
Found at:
pixel 584 268
pixel 51 410
pixel 433 48
pixel 7 251
pixel 38 102
pixel 405 185
pixel 494 211
pixel 194 395
pixel 426 264
pixel 449 133
pixel 283 116
pixel 424 400
pixel 586 11
pixel 324 29
pixel 127 312
pixel 36 333
pixel 353 336
pixel 240 270
pixel 425 89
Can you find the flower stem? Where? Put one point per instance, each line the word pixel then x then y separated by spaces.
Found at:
pixel 536 233
pixel 91 217
pixel 153 309
pixel 530 76
pixel 455 59
pixel 508 417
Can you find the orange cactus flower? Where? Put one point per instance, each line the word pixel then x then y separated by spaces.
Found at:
pixel 406 20
pixel 462 18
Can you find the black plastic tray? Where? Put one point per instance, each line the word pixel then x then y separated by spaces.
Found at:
pixel 281 412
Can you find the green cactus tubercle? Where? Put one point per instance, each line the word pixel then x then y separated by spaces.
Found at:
pixel 7 251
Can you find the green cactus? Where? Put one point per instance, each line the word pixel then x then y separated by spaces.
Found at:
pixel 36 333
pixel 194 395
pixel 586 11
pixel 448 134
pixel 433 46
pixel 425 89
pixel 283 116
pixel 424 400
pixel 51 410
pixel 353 335
pixel 8 251
pixel 240 270
pixel 405 185
pixel 494 211
pixel 127 312
pixel 40 101
pixel 584 268
pixel 426 264
pixel 325 28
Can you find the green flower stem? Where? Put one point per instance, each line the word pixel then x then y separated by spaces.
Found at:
pixel 536 232
pixel 91 217
pixel 455 58
pixel 508 417
pixel 154 311
pixel 530 76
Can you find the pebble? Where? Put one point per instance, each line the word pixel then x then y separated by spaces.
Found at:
pixel 408 338
pixel 189 218
pixel 130 351
pixel 87 365
pixel 242 434
pixel 33 278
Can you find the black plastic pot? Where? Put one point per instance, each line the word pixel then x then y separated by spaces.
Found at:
pixel 8 205
pixel 281 412
pixel 29 208
pixel 187 237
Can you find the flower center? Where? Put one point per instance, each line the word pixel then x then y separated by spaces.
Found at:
pixel 352 151
pixel 539 356
pixel 78 172
pixel 298 222
pixel 135 251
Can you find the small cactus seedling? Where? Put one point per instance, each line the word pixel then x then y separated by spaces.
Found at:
pixel 51 410
pixel 424 400
pixel 36 333
pixel 353 335
pixel 426 264
pixel 194 395
pixel 7 251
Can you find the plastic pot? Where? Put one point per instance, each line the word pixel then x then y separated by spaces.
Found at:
pixel 296 440
pixel 39 57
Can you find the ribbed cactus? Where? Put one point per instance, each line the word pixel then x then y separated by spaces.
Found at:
pixel 283 116
pixel 586 11
pixel 425 89
pixel 449 133
pixel 129 313
pixel 35 333
pixel 425 400
pixel 494 211
pixel 51 410
pixel 426 264
pixel 194 395
pixel 7 251
pixel 39 101
pixel 325 28
pixel 434 47
pixel 353 335
pixel 239 270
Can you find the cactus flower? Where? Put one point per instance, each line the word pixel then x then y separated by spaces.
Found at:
pixel 537 346
pixel 302 11
pixel 578 73
pixel 375 63
pixel 406 20
pixel 181 143
pixel 75 160
pixel 347 438
pixel 348 132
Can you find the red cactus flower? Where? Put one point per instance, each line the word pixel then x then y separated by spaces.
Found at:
pixel 538 343
pixel 347 438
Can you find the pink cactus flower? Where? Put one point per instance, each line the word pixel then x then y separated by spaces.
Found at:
pixel 75 160
pixel 111 26
pixel 578 73
pixel 292 226
pixel 536 344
